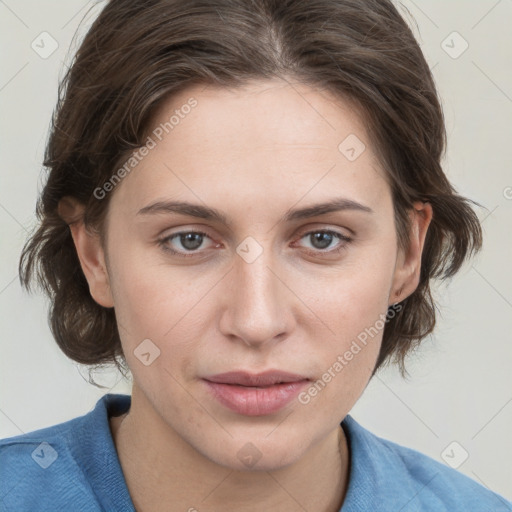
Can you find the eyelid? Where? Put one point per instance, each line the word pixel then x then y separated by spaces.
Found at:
pixel 318 227
pixel 343 242
pixel 164 242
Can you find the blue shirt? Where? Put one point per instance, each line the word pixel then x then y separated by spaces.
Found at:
pixel 73 466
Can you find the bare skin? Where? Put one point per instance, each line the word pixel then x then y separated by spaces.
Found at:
pixel 253 153
pixel 147 496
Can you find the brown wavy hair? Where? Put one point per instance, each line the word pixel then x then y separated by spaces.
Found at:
pixel 137 53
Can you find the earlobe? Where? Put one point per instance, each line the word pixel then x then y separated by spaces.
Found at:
pixel 408 267
pixel 89 250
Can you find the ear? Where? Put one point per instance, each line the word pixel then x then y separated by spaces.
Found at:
pixel 408 266
pixel 89 250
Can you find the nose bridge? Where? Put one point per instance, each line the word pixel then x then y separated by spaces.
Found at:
pixel 257 307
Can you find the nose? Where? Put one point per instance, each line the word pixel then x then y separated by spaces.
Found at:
pixel 258 309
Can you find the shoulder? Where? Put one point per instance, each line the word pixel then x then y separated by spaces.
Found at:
pixel 38 470
pixel 441 484
pixel 407 478
pixel 72 462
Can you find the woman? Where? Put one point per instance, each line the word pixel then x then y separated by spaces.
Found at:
pixel 245 208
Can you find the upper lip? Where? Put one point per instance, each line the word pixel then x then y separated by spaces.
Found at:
pixel 267 378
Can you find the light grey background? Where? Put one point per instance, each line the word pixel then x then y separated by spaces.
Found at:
pixel 461 381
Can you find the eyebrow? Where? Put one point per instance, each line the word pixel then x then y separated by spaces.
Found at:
pixel 208 213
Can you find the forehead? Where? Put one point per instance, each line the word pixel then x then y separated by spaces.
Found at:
pixel 264 143
pixel 266 115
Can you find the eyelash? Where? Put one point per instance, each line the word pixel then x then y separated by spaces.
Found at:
pixel 163 242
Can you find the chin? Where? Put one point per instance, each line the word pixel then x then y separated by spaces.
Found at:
pixel 258 454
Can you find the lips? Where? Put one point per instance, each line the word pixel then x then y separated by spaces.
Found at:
pixel 260 380
pixel 255 394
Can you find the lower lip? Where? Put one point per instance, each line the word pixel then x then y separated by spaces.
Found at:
pixel 255 401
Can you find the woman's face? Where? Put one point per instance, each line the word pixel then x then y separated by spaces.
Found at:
pixel 277 283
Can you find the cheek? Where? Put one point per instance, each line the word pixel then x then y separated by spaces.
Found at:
pixel 156 302
pixel 172 305
pixel 352 297
pixel 354 310
pixel 155 316
pixel 150 295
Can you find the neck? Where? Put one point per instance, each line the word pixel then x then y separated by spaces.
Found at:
pixel 164 472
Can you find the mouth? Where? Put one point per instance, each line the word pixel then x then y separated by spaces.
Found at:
pixel 255 394
pixel 259 380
